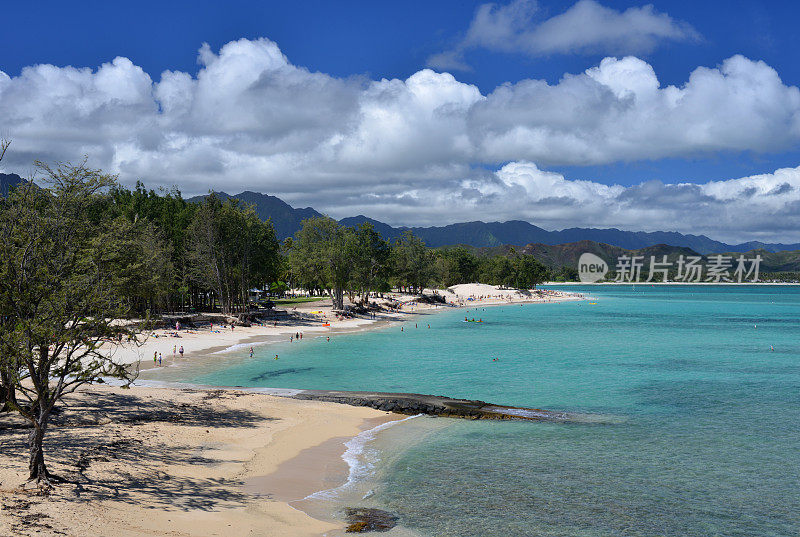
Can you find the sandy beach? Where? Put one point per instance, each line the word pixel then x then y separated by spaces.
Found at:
pixel 179 462
pixel 174 461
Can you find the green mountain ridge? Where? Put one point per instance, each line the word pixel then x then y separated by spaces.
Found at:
pixel 287 221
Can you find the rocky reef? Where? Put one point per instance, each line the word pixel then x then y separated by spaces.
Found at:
pixel 435 405
pixel 362 519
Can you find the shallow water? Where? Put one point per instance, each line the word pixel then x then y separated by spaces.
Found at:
pixel 706 442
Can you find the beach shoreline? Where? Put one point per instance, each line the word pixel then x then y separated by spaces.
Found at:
pixel 203 343
pixel 176 461
pixel 259 464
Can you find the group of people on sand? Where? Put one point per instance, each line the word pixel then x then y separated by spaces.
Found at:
pixel 157 358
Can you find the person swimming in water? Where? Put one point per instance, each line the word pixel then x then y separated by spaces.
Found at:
pixel 276 356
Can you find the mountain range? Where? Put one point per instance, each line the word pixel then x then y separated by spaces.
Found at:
pixel 8 181
pixel 287 220
pixel 553 248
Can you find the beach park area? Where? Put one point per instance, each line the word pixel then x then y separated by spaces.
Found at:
pixel 172 460
pixel 523 268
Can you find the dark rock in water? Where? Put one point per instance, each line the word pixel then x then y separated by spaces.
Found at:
pixel 435 405
pixel 363 519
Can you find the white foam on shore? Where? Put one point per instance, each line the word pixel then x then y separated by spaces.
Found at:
pixel 239 346
pixel 360 463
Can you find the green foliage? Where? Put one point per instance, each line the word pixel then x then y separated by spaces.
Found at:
pixel 322 255
pixel 370 259
pixel 457 265
pixel 230 250
pixel 413 264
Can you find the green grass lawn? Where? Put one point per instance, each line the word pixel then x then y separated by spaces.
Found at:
pixel 298 300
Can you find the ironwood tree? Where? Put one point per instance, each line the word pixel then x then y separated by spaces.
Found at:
pixel 231 251
pixel 59 301
pixel 413 263
pixel 321 256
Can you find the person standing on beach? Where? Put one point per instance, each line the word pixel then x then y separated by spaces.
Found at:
pixel 159 358
pixel 155 357
pixel 181 351
pixel 174 350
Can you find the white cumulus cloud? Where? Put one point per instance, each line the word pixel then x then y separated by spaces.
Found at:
pixel 423 150
pixel 586 27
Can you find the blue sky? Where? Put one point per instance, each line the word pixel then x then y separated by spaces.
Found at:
pixel 352 46
pixel 381 39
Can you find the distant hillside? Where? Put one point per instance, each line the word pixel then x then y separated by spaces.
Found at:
pixel 9 181
pixel 287 221
pixel 285 218
pixel 519 233
pixel 633 240
pixel 786 261
pixel 388 232
pixel 556 256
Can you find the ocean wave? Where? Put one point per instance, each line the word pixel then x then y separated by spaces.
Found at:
pixel 360 462
pixel 240 346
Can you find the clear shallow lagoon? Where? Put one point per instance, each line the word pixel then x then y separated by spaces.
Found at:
pixel 708 442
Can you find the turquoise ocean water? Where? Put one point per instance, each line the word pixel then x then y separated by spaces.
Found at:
pixel 705 439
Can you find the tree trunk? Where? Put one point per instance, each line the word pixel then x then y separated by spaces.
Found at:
pixel 338 298
pixel 8 397
pixel 37 469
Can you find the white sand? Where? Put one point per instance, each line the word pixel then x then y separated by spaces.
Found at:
pixel 468 294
